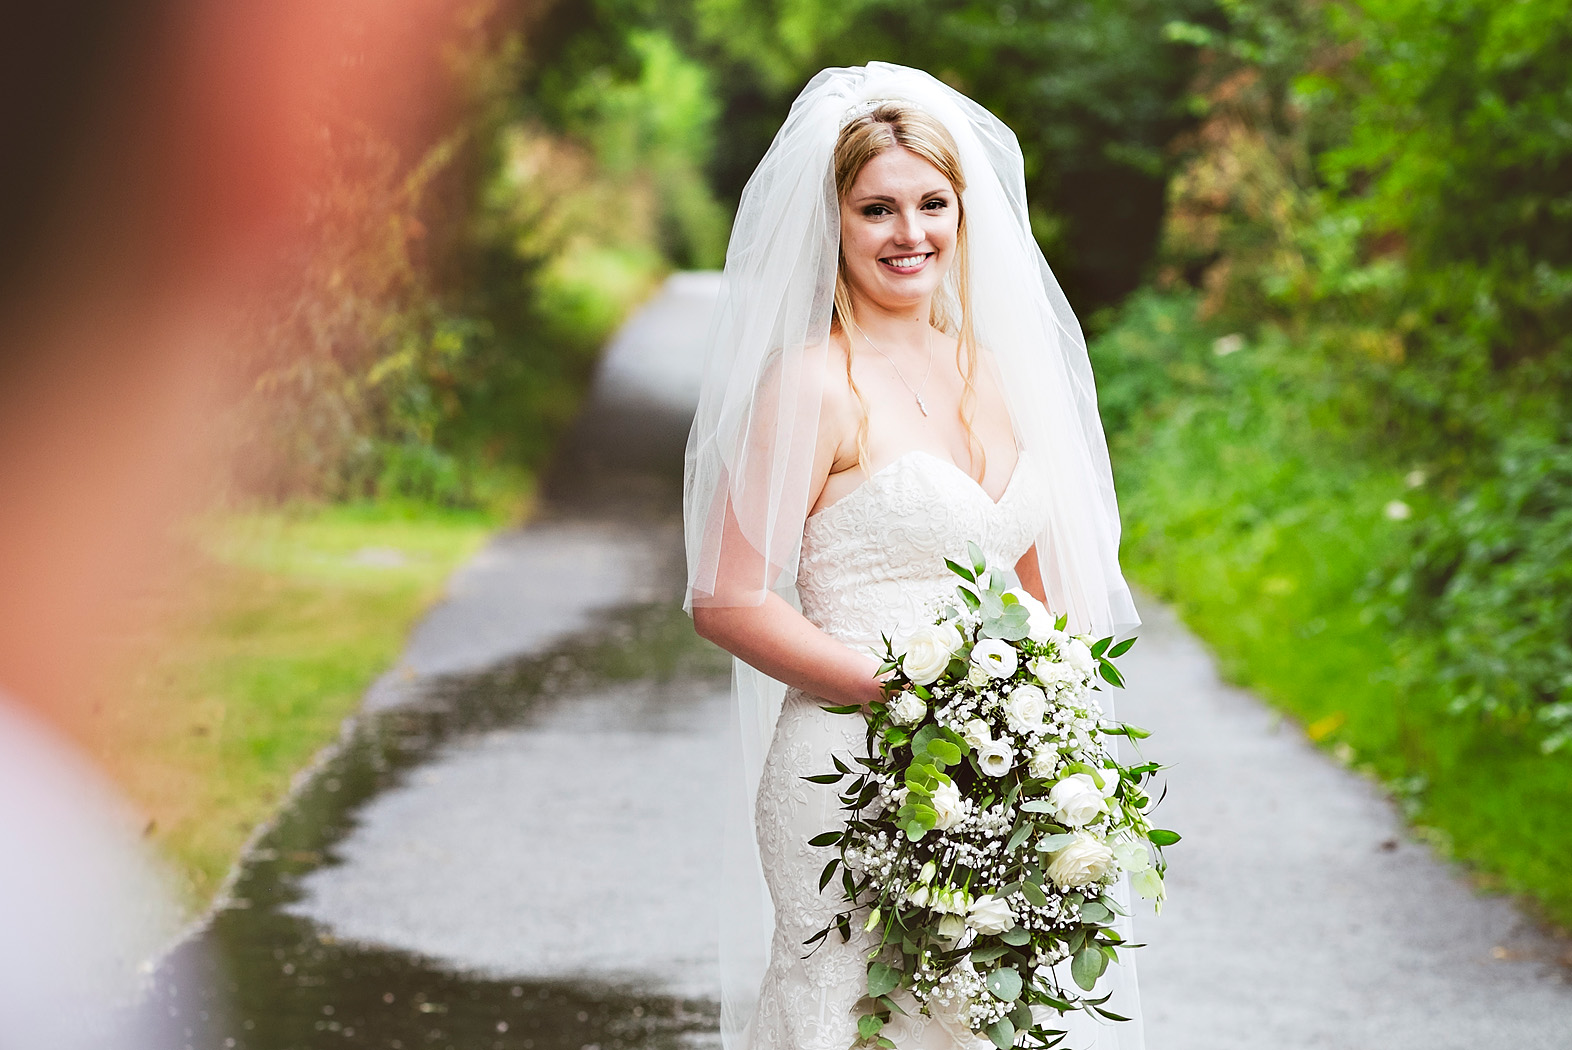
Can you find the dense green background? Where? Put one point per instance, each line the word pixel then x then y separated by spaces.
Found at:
pixel 1324 249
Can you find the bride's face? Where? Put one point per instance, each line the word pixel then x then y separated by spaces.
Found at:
pixel 898 229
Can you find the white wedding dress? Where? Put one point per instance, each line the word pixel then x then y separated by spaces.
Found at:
pixel 872 563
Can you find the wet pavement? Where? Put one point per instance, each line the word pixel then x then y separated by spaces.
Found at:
pixel 512 847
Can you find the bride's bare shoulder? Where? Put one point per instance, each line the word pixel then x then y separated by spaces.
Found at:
pixel 812 376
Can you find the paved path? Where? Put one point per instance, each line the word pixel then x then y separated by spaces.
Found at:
pixel 579 843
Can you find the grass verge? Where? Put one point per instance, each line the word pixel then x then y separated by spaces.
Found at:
pixel 1263 534
pixel 247 661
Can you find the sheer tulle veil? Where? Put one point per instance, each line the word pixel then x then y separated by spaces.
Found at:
pixel 749 456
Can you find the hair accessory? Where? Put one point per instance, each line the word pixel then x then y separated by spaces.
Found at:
pixel 867 105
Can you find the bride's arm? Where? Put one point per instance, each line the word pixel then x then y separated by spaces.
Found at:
pixel 1030 572
pixel 784 644
pixel 758 625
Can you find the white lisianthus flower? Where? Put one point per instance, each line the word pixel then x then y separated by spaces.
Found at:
pixel 926 651
pixel 990 914
pixel 1078 655
pixel 1025 708
pixel 1039 621
pixel 1077 800
pixel 947 900
pixel 977 733
pixel 949 805
pixel 1052 672
pixel 995 757
pixel 951 927
pixel 1084 860
pixel 1044 763
pixel 996 656
pixel 917 894
pixel 907 709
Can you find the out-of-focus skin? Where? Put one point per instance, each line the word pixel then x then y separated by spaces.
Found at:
pixel 153 160
pixel 193 138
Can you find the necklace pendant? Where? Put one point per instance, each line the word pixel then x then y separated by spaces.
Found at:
pixel 921 407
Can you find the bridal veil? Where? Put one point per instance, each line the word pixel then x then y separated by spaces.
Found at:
pixel 749 456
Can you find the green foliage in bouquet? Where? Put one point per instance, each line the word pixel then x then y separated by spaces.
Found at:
pixel 988 829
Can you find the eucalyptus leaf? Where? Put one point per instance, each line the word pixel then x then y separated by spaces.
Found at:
pixel 882 979
pixel 1016 936
pixel 1087 966
pixel 1002 1033
pixel 944 752
pixel 868 1025
pixel 1005 984
pixel 1034 894
pixel 1091 911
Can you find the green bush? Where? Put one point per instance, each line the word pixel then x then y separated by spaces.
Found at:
pixel 1487 592
pixel 1265 530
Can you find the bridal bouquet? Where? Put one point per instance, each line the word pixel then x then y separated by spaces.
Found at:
pixel 988 827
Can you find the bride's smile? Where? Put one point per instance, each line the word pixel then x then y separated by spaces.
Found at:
pixel 898 229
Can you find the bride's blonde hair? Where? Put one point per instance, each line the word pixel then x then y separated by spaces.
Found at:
pixel 886 126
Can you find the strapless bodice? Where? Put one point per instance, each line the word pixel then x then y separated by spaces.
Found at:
pixel 873 561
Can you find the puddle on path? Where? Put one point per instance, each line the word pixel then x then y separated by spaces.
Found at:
pixel 260 978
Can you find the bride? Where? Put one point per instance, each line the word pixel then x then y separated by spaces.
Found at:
pixel 892 371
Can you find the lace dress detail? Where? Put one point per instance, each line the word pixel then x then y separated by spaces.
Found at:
pixel 872 562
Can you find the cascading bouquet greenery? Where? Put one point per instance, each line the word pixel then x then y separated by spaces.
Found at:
pixel 990 823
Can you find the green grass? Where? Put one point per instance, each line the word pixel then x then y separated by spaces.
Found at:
pixel 1263 534
pixel 249 660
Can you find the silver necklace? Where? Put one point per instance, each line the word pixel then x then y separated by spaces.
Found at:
pixel 916 393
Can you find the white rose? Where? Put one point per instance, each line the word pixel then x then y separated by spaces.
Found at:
pixel 1025 708
pixel 908 709
pixel 977 733
pixel 1077 800
pixel 995 757
pixel 1084 861
pixel 1077 655
pixel 1039 621
pixel 1044 763
pixel 976 677
pixel 990 914
pixel 948 804
pixel 996 656
pixel 917 895
pixel 926 651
